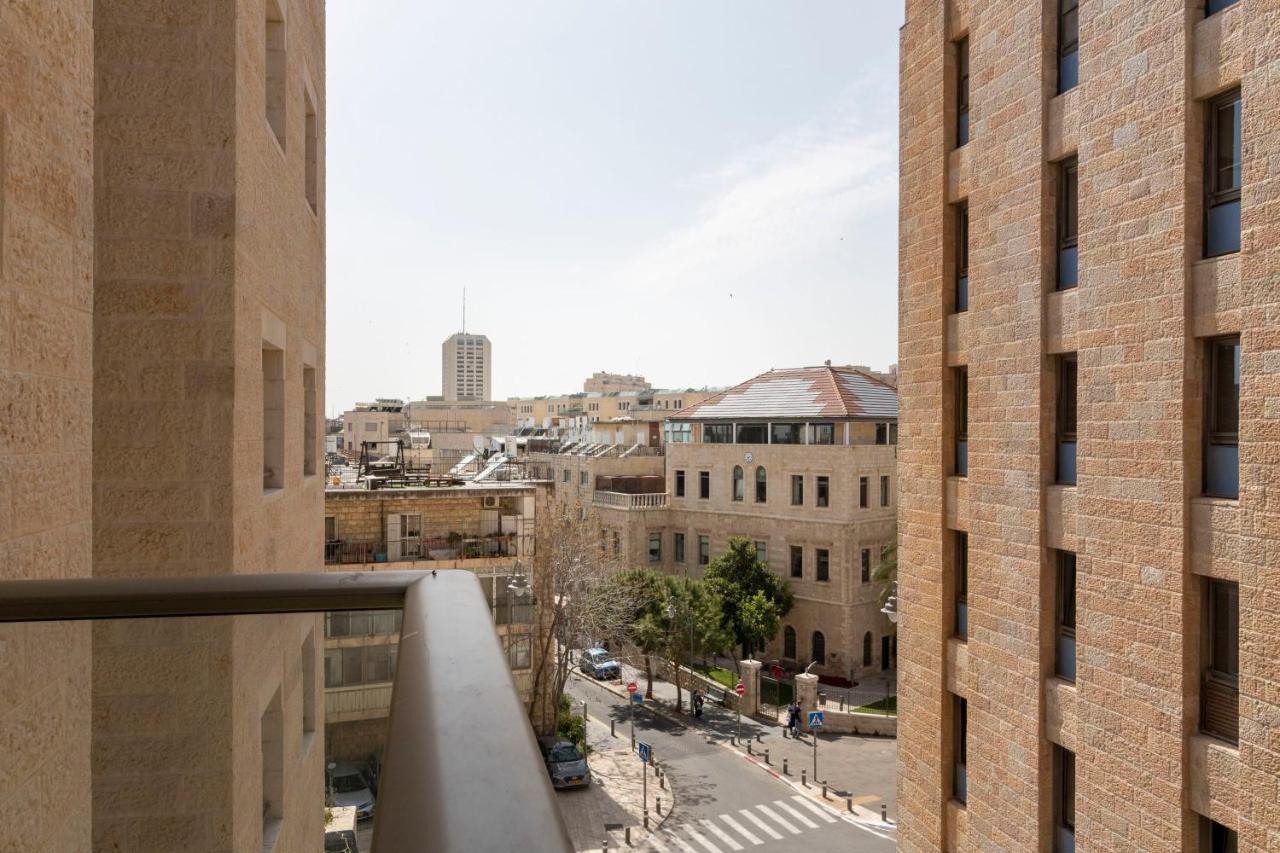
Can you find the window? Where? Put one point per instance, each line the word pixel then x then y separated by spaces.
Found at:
pixel 717 433
pixel 271 735
pixel 1068 225
pixel 962 586
pixel 864 487
pixel 370 427
pixel 566 475
pixel 312 154
pixel 1222 419
pixel 1220 696
pixel 704 551
pixel 866 565
pixel 822 433
pixel 961 383
pixel 1216 838
pixel 962 92
pixel 582 478
pixel 762 553
pixel 617 543
pixel 822 562
pixel 789 642
pixel 518 648
pixel 819 648
pixel 308 421
pixel 679 433
pixel 704 485
pixel 786 434
pixel 1212 7
pixel 962 257
pixel 1068 45
pixel 884 490
pixel 753 434
pixel 677 545
pixel 866 649
pixel 655 547
pixel 762 484
pixel 737 483
pixel 679 484
pixel 1066 420
pixel 272 417
pixel 797 490
pixel 797 561
pixel 330 528
pixel 824 491
pixel 275 70
pixel 959 748
pixel 1064 800
pixel 1222 177
pixel 308 665
pixel 1065 616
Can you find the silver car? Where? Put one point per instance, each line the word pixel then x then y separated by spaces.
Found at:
pixel 566 763
pixel 348 787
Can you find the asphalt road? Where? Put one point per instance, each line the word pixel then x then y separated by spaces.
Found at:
pixel 724 803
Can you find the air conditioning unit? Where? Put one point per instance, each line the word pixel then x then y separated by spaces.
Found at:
pixel 491 502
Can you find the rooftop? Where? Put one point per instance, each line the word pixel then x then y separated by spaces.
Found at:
pixel 802 392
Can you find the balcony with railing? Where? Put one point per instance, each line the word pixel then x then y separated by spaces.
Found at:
pixel 623 500
pixel 443 547
pixel 435 790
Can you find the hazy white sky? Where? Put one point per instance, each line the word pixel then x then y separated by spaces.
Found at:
pixel 695 190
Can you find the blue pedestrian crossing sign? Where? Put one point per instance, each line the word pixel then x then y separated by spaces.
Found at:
pixel 816 720
pixel 644 751
pixel 637 698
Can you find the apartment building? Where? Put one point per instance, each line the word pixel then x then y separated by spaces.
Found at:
pixel 802 462
pixel 1090 652
pixel 604 382
pixel 627 412
pixel 385 419
pixel 486 528
pixel 466 363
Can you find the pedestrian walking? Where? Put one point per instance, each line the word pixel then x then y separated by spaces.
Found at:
pixel 697 704
pixel 793 718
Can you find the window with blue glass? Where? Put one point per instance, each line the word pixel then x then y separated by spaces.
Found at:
pixel 962 256
pixel 1222 419
pixel 959 749
pixel 1066 420
pixel 1068 225
pixel 960 382
pixel 1068 45
pixel 962 585
pixel 1220 688
pixel 1213 6
pixel 1065 615
pixel 1222 177
pixel 1064 800
pixel 962 92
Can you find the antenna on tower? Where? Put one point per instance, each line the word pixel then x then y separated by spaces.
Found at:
pixel 464 310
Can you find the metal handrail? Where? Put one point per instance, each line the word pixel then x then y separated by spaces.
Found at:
pixel 441 788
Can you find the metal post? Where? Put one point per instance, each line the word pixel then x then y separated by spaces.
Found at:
pixel 803 780
pixel 824 788
pixel 612 733
pixel 815 755
pixel 884 812
pixel 766 756
pixel 737 731
pixel 785 772
pixel 749 750
pixel 848 804
pixel 584 712
pixel 658 800
pixel 632 703
pixel 628 830
pixel 644 793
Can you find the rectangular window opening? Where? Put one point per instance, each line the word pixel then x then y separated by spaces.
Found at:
pixel 1068 45
pixel 863 489
pixel 271 739
pixel 960 382
pixel 822 564
pixel 309 416
pixel 1222 176
pixel 1222 419
pixel 961 628
pixel 962 257
pixel 962 92
pixel 275 69
pixel 1065 615
pixel 312 155
pixel 1068 225
pixel 823 491
pixel 1065 420
pixel 797 561
pixel 797 490
pixel 272 418
pixel 1220 692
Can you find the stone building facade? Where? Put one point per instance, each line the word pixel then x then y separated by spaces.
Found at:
pixel 1090 653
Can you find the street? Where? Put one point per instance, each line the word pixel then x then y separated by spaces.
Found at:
pixel 724 803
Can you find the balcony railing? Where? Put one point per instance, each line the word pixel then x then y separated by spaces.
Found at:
pixel 421 548
pixel 437 791
pixel 622 500
pixel 357 702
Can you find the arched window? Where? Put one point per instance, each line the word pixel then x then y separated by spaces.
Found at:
pixel 819 648
pixel 762 484
pixel 789 642
pixel 737 482
pixel 866 649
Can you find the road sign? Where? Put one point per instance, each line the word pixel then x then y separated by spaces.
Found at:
pixel 631 687
pixel 644 751
pixel 816 719
pixel 740 688
pixel 637 698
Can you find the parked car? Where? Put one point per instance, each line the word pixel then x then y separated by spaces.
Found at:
pixel 373 770
pixel 348 787
pixel 599 663
pixel 565 763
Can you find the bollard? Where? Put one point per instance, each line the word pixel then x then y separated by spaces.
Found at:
pixel 605 846
pixel 759 737
pixel 803 780
pixel 659 805
pixel 785 733
pixel 662 782
pixel 749 750
pixel 884 812
pixel 612 733
pixel 824 789
pixel 646 818
pixel 848 804
pixel 766 756
pixel 784 767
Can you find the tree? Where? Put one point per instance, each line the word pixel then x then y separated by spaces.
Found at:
pixel 573 572
pixel 694 614
pixel 643 594
pixel 886 573
pixel 753 600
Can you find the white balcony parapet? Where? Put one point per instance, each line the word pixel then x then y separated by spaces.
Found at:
pixel 623 500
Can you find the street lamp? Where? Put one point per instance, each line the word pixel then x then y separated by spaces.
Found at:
pixel 890 608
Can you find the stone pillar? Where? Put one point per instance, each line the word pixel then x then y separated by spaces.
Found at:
pixel 806 695
pixel 750 701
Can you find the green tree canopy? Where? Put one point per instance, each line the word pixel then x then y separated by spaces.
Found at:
pixel 753 600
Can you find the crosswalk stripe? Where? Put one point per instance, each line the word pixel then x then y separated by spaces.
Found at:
pixel 656 845
pixel 777 819
pixel 741 830
pixel 764 827
pixel 678 841
pixel 693 833
pixel 721 834
pixel 814 807
pixel 795 814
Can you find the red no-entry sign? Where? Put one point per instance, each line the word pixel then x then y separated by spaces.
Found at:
pixel 631 687
pixel 740 688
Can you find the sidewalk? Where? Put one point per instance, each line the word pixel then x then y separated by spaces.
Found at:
pixel 858 767
pixel 614 795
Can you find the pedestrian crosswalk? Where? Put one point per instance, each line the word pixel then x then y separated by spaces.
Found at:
pixel 741 830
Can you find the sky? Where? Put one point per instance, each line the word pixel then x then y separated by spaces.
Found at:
pixel 694 191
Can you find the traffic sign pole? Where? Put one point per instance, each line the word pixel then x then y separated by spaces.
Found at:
pixel 632 687
pixel 739 689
